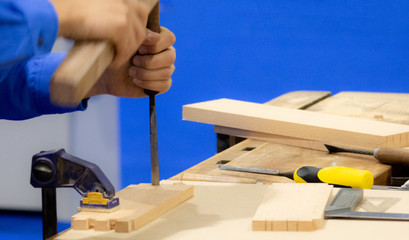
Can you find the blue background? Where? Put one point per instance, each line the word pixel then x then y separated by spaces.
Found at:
pixel 253 50
pixel 258 50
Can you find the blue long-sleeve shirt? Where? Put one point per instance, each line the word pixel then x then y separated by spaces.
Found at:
pixel 28 30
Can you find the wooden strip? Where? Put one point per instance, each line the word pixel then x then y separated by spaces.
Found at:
pixel 292 207
pixel 298 123
pixel 139 205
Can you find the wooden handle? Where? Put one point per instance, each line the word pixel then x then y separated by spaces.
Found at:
pixel 392 156
pixel 84 65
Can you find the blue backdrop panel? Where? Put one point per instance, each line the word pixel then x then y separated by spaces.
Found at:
pixel 255 51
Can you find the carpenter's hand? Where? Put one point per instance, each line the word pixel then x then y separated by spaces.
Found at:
pixel 122 22
pixel 151 68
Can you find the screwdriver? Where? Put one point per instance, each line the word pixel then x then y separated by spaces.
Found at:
pixel 336 175
pixel 384 155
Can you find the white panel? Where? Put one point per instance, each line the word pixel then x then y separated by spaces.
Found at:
pixel 19 141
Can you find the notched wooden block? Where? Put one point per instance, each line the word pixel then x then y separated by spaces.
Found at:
pixel 140 205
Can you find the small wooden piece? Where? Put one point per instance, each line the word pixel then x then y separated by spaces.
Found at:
pixel 292 207
pixel 139 205
pixel 79 71
pixel 298 123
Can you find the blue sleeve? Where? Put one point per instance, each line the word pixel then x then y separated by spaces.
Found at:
pixel 27 28
pixel 25 91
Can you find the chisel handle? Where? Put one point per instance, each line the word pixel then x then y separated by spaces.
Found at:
pixel 339 176
pixel 392 156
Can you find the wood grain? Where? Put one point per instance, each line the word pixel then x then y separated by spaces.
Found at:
pixel 139 205
pixel 292 207
pixel 298 123
pixel 79 71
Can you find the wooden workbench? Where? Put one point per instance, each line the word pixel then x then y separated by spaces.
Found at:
pixel 225 211
pixel 258 152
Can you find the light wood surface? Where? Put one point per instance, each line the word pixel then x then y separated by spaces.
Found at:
pixel 292 207
pixel 139 205
pixel 79 71
pixel 226 212
pixel 295 123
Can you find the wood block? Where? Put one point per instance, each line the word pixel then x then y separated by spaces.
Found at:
pixel 298 123
pixel 292 207
pixel 139 205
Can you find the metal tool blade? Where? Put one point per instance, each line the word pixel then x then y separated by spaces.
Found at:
pixel 154 138
pixel 250 170
pixel 335 149
pixel 345 202
pixel 154 25
pixel 370 216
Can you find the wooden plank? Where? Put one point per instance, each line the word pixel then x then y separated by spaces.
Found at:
pixel 226 211
pixel 387 107
pixel 292 207
pixel 139 205
pixel 298 123
pixel 299 99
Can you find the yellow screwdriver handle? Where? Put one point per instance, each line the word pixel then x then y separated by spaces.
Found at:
pixel 341 176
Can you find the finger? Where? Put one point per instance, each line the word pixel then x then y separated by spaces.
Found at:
pixel 152 38
pixel 159 86
pixel 160 60
pixel 167 39
pixel 143 74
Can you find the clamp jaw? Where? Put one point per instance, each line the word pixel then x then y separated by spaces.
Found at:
pixel 52 169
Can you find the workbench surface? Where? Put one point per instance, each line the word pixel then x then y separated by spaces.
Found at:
pixel 225 211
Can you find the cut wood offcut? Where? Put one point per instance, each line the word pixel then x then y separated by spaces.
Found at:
pixel 292 207
pixel 139 205
pixel 300 124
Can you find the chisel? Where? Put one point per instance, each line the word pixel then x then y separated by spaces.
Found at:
pixel 154 25
pixel 384 155
pixel 336 175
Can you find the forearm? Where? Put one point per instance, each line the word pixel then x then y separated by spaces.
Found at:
pixel 24 90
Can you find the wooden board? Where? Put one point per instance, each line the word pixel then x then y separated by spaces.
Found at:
pixel 387 107
pixel 139 205
pixel 292 207
pixel 226 212
pixel 298 123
